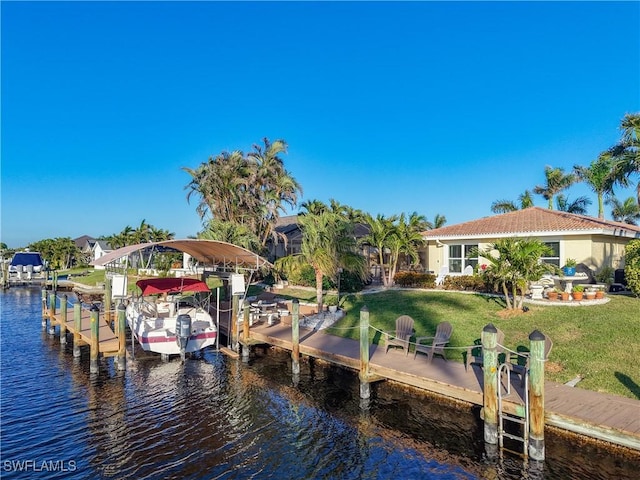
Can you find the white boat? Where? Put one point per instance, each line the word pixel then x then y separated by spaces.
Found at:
pixel 177 321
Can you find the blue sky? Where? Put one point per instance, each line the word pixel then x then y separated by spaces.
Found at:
pixel 438 108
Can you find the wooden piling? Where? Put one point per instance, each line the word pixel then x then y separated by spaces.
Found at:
pixel 107 299
pixel 45 311
pixel 233 340
pixel 52 313
pixel 295 336
pixel 95 340
pixel 490 370
pixel 536 395
pixel 121 361
pixel 245 333
pixel 365 387
pixel 63 319
pixel 77 323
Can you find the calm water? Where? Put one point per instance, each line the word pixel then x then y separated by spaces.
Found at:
pixel 215 417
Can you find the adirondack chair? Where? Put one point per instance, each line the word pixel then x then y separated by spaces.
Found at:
pixel 444 271
pixel 519 363
pixel 401 335
pixel 438 342
pixel 474 354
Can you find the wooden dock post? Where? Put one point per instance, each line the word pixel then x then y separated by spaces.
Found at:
pixel 536 395
pixel 245 333
pixel 95 340
pixel 45 310
pixel 52 313
pixel 122 338
pixel 295 336
pixel 107 299
pixel 77 324
pixel 365 386
pixel 63 319
pixel 490 370
pixel 233 334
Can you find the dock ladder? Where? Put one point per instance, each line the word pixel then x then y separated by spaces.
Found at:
pixel 520 418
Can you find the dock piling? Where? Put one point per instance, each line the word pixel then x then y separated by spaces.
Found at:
pixel 95 340
pixel 63 322
pixel 490 371
pixel 233 334
pixel 77 323
pixel 52 313
pixel 295 337
pixel 107 299
pixel 245 333
pixel 365 386
pixel 536 395
pixel 45 311
pixel 122 340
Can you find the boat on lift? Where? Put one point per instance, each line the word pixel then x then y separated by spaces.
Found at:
pixel 171 316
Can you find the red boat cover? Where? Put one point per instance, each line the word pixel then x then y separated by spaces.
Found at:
pixel 149 286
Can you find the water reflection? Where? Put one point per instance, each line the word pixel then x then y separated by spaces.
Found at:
pixel 216 417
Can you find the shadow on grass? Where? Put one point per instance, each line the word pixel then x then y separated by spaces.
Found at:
pixel 628 383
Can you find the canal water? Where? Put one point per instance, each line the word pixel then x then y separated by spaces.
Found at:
pixel 214 417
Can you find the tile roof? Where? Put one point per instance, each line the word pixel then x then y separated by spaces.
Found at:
pixel 534 220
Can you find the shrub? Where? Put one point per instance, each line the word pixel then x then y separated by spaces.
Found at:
pixel 632 266
pixel 474 283
pixel 414 279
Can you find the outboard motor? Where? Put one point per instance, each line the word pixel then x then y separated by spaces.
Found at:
pixel 183 331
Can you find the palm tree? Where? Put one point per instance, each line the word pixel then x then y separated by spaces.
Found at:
pixel 438 221
pixel 328 244
pixel 627 153
pixel 627 211
pixel 598 175
pixel 557 181
pixel 381 229
pixel 504 206
pixel 578 206
pixel 231 233
pixel 406 239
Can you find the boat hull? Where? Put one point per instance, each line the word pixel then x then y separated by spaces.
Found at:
pixel 156 331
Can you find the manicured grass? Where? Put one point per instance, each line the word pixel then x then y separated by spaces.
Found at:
pixel 601 342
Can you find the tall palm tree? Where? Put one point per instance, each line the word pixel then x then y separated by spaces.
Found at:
pixel 438 221
pixel 504 206
pixel 556 182
pixel 627 153
pixel 328 244
pixel 381 229
pixel 598 175
pixel 578 206
pixel 406 239
pixel 627 211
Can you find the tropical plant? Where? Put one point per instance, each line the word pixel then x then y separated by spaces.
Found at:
pixel 556 182
pixel 513 263
pixel 381 229
pixel 571 263
pixel 599 176
pixel 627 211
pixel 59 253
pixel 230 232
pixel 626 154
pixel 505 206
pixel 632 266
pixel 438 222
pixel 578 206
pixel 328 244
pixel 251 190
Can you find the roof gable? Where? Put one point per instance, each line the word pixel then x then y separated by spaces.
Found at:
pixel 534 220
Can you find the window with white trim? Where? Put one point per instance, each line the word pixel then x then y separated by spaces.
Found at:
pixel 553 258
pixel 459 257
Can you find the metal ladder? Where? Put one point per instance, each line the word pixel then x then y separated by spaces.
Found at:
pixel 513 418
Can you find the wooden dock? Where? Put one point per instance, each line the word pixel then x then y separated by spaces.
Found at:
pixel 602 416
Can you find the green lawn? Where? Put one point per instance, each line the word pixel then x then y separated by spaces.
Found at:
pixel 600 342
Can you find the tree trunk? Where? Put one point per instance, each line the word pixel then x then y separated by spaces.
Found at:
pixel 506 295
pixel 319 289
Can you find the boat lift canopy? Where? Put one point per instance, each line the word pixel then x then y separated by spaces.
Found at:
pixel 150 286
pixel 206 252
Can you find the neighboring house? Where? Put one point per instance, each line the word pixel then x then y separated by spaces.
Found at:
pixel 85 244
pixel 100 248
pixel 592 242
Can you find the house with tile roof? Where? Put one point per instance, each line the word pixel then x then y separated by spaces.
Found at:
pixel 593 242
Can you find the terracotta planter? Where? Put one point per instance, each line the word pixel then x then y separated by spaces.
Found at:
pixel 552 296
pixel 599 294
pixel 590 295
pixel 577 296
pixel 564 296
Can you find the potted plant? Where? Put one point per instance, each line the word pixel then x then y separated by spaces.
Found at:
pixel 332 304
pixel 564 296
pixel 590 293
pixel 599 293
pixel 569 268
pixel 553 294
pixel 578 292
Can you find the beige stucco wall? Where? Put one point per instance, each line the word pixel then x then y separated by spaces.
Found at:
pixel 595 251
